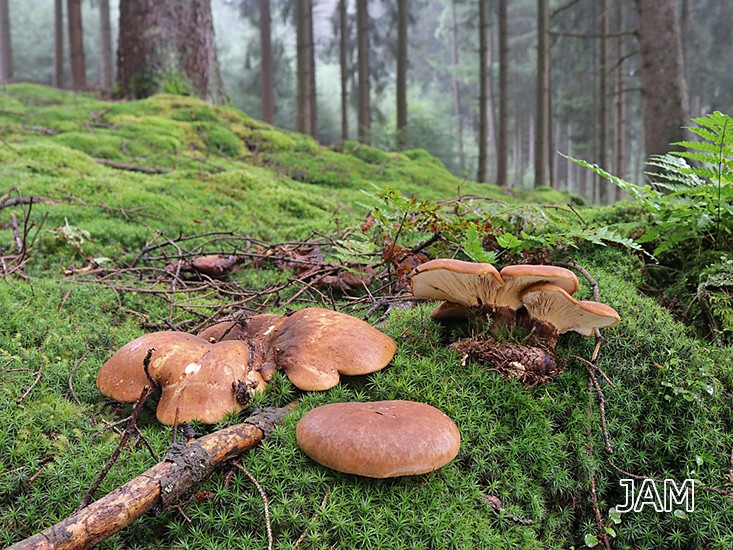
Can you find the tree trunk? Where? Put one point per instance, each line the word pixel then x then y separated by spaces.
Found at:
pixel 58 44
pixel 306 86
pixel 483 133
pixel 620 147
pixel 502 146
pixel 362 38
pixel 76 45
pixel 542 128
pixel 168 46
pixel 105 35
pixel 343 63
pixel 164 484
pixel 456 87
pixel 402 135
pixel 267 86
pixel 603 103
pixel 6 48
pixel 663 88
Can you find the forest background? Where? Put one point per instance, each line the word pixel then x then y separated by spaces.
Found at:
pixel 587 77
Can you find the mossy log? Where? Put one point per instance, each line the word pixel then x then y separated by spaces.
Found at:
pixel 183 467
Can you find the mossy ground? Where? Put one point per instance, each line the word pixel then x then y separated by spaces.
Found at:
pixel 537 449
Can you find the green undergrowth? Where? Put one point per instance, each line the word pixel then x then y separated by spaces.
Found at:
pixel 539 450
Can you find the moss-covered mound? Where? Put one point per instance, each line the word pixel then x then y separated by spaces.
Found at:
pixel 212 172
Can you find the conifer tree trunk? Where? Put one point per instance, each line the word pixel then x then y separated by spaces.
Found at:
pixel 456 87
pixel 344 69
pixel 402 135
pixel 58 44
pixel 542 128
pixel 663 88
pixel 483 134
pixel 362 38
pixel 6 48
pixel 620 147
pixel 105 36
pixel 306 89
pixel 502 146
pixel 267 87
pixel 168 45
pixel 603 103
pixel 76 45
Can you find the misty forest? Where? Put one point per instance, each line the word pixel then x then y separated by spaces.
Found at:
pixel 348 274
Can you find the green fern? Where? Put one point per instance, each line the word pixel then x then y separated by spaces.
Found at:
pixel 691 200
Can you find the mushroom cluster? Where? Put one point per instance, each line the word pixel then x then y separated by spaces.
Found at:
pixel 206 376
pixel 543 292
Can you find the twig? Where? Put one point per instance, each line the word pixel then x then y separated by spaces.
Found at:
pixel 602 407
pixel 593 283
pixel 33 385
pixel 130 167
pixel 301 538
pixel 131 427
pixel 264 500
pixel 597 513
pixel 16 232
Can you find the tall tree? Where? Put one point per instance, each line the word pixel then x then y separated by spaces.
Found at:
pixel 603 101
pixel 58 44
pixel 105 37
pixel 542 122
pixel 306 84
pixel 483 139
pixel 76 45
pixel 179 56
pixel 455 85
pixel 402 135
pixel 344 69
pixel 364 109
pixel 502 146
pixel 6 49
pixel 267 84
pixel 620 98
pixel 663 88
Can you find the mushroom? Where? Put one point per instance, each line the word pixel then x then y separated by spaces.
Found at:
pixel 519 277
pixel 556 312
pixel 207 387
pixel 380 439
pixel 464 283
pixel 203 381
pixel 122 377
pixel 315 346
pixel 258 327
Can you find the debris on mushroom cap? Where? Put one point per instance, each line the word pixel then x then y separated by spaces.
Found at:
pixel 204 387
pixel 314 346
pixel 519 277
pixel 122 377
pixel 551 304
pixel 380 439
pixel 256 326
pixel 464 283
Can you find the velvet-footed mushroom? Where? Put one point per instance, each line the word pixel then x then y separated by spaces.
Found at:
pixel 380 439
pixel 122 377
pixel 556 312
pixel 200 380
pixel 315 346
pixel 467 284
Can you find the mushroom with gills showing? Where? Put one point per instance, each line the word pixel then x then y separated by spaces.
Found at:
pixel 380 439
pixel 315 346
pixel 556 312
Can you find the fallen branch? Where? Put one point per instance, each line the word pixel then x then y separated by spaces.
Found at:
pixel 183 467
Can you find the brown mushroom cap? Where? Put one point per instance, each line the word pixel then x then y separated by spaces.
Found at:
pixel 257 327
pixel 202 388
pixel 519 277
pixel 464 283
pixel 314 346
pixel 551 304
pixel 449 310
pixel 122 377
pixel 380 439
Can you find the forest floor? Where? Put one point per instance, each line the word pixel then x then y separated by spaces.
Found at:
pixel 102 204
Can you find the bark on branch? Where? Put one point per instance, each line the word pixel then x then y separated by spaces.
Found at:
pixel 183 467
